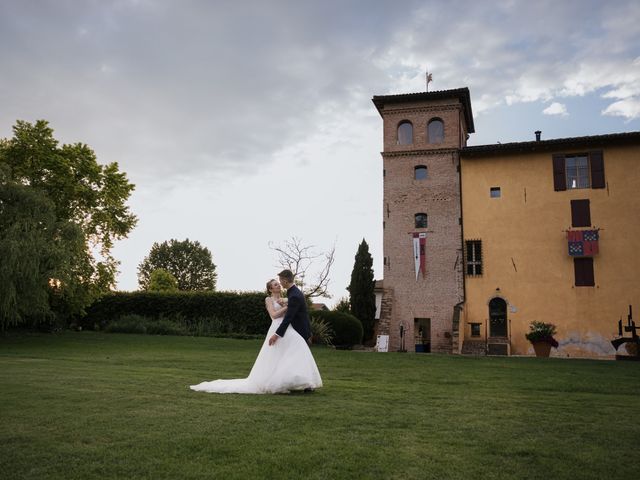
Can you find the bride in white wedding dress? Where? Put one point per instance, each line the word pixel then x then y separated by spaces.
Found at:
pixel 286 366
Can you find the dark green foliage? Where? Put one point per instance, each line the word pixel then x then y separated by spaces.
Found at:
pixel 343 306
pixel 177 325
pixel 57 206
pixel 542 332
pixel 361 290
pixel 347 329
pixel 140 324
pixel 128 324
pixel 189 262
pixel 164 326
pixel 321 331
pixel 37 254
pixel 199 313
pixel 24 252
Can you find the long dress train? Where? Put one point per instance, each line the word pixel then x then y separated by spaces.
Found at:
pixel 286 366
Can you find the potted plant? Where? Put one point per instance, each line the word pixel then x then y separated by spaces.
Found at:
pixel 541 336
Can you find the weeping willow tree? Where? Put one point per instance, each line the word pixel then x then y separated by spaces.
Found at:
pixel 57 206
pixel 34 247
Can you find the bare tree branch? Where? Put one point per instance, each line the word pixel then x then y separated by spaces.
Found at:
pixel 300 259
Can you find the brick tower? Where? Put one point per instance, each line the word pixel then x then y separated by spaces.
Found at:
pixel 423 256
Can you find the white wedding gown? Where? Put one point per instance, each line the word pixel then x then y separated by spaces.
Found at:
pixel 286 366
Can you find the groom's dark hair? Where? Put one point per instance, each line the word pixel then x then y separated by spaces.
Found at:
pixel 287 275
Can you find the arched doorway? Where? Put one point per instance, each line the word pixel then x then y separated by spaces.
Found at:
pixel 497 317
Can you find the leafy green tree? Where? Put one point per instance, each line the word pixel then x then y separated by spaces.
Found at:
pixel 361 290
pixel 343 306
pixel 189 262
pixel 162 281
pixel 71 207
pixel 27 224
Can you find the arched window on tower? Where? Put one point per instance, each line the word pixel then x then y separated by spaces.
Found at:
pixel 419 172
pixel 405 133
pixel 435 131
pixel 421 220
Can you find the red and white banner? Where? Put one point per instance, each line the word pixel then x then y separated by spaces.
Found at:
pixel 419 244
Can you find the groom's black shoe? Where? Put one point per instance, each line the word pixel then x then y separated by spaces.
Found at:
pixel 308 390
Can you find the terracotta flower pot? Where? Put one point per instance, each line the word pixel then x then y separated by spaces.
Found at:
pixel 542 349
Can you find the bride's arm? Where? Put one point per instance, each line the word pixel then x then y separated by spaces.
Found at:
pixel 273 313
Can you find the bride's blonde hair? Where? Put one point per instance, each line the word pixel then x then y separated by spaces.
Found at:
pixel 269 286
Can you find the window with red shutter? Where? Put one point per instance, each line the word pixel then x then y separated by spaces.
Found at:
pixel 584 170
pixel 596 160
pixel 580 213
pixel 559 179
pixel 583 268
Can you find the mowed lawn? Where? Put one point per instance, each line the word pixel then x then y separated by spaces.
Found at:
pixel 93 405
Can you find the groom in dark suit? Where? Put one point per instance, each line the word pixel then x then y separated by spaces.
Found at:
pixel 297 314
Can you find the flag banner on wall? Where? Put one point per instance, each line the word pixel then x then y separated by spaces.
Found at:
pixel 419 244
pixel 582 243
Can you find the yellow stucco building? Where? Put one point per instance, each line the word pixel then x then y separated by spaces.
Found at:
pixel 522 205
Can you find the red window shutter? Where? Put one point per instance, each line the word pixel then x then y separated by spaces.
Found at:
pixel 583 268
pixel 596 160
pixel 580 213
pixel 559 179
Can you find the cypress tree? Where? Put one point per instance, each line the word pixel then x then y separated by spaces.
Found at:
pixel 361 290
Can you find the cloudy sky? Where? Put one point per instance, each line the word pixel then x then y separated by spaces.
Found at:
pixel 248 122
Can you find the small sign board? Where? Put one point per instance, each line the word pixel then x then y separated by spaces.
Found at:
pixel 382 343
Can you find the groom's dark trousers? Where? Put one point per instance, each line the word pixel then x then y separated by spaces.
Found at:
pixel 296 315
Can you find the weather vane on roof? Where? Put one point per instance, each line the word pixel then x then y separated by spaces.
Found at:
pixel 429 79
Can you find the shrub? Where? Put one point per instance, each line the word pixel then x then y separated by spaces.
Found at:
pixel 199 313
pixel 128 324
pixel 321 331
pixel 164 326
pixel 347 329
pixel 174 325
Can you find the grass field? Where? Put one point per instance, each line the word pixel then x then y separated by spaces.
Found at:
pixel 93 406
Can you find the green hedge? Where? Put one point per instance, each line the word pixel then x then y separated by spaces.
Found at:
pixel 347 329
pixel 221 312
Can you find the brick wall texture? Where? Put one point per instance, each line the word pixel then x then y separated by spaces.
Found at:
pixel 435 294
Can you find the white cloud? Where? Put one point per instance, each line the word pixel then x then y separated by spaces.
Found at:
pixel 628 108
pixel 556 109
pixel 508 64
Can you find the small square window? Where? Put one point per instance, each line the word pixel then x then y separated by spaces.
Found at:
pixel 475 329
pixel 495 192
pixel 420 172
